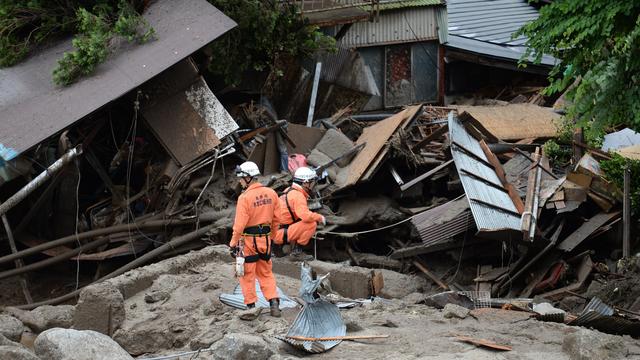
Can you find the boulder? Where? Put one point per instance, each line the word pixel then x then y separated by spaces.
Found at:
pixel 6 342
pixel 28 318
pixel 16 353
pixel 451 311
pixel 54 316
pixel 100 308
pixel 588 344
pixel 69 344
pixel 242 347
pixel 11 327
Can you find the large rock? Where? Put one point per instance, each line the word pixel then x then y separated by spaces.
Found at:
pixel 16 353
pixel 242 347
pixel 54 316
pixel 44 317
pixel 11 327
pixel 100 308
pixel 6 342
pixel 69 344
pixel 589 344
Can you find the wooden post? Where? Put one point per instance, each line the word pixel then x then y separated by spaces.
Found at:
pixel 18 262
pixel 626 214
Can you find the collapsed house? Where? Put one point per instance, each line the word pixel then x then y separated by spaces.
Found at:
pixel 136 165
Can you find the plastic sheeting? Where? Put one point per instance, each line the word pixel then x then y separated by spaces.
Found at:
pixel 236 299
pixel 317 319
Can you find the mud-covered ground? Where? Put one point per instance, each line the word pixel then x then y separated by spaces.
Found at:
pixel 185 314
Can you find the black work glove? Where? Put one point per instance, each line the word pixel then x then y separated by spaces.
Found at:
pixel 233 251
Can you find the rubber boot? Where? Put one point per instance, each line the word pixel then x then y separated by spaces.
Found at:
pixel 275 307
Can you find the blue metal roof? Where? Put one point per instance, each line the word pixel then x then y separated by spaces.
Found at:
pixel 486 26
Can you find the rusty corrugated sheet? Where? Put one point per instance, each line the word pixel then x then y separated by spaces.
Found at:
pixel 490 204
pixel 394 27
pixel 441 223
pixel 32 108
pixel 600 316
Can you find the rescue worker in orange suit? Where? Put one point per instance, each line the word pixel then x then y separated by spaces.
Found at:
pixel 298 223
pixel 255 223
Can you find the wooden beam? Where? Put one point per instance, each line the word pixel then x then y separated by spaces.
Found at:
pixel 425 175
pixel 334 338
pixel 434 135
pixel 513 194
pixel 626 214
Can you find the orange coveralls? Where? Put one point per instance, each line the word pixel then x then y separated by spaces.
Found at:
pixel 257 205
pixel 299 232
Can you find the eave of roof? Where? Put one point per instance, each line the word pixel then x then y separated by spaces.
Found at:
pixel 32 108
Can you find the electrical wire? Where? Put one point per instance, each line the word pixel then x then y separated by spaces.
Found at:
pixel 355 233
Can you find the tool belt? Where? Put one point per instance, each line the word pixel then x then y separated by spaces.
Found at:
pixel 258 231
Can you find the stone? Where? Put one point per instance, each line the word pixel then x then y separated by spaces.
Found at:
pixel 155 296
pixel 54 316
pixel 451 311
pixel 100 308
pixel 588 344
pixel 69 344
pixel 11 327
pixel 242 347
pixel 16 353
pixel 6 342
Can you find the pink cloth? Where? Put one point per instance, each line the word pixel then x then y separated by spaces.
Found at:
pixel 296 161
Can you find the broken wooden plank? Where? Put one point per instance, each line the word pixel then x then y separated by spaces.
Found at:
pixel 425 175
pixel 434 135
pixel 585 230
pixel 335 338
pixel 513 194
pixel 375 137
pixel 530 214
pixel 483 342
pixel 429 274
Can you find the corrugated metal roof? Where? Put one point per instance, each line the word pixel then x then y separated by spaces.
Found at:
pixel 392 27
pixel 490 204
pixel 33 108
pixel 401 4
pixel 486 27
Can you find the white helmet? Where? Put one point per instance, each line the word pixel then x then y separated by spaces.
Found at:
pixel 247 168
pixel 304 174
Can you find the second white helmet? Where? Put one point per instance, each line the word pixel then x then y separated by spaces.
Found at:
pixel 304 174
pixel 247 168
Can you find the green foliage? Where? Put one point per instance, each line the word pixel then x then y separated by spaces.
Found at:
pixel 598 43
pixel 265 32
pixel 95 34
pixel 25 24
pixel 557 153
pixel 614 172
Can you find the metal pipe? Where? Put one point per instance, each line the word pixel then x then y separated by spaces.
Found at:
pixel 40 179
pixel 91 234
pixel 55 259
pixel 314 93
pixel 135 263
